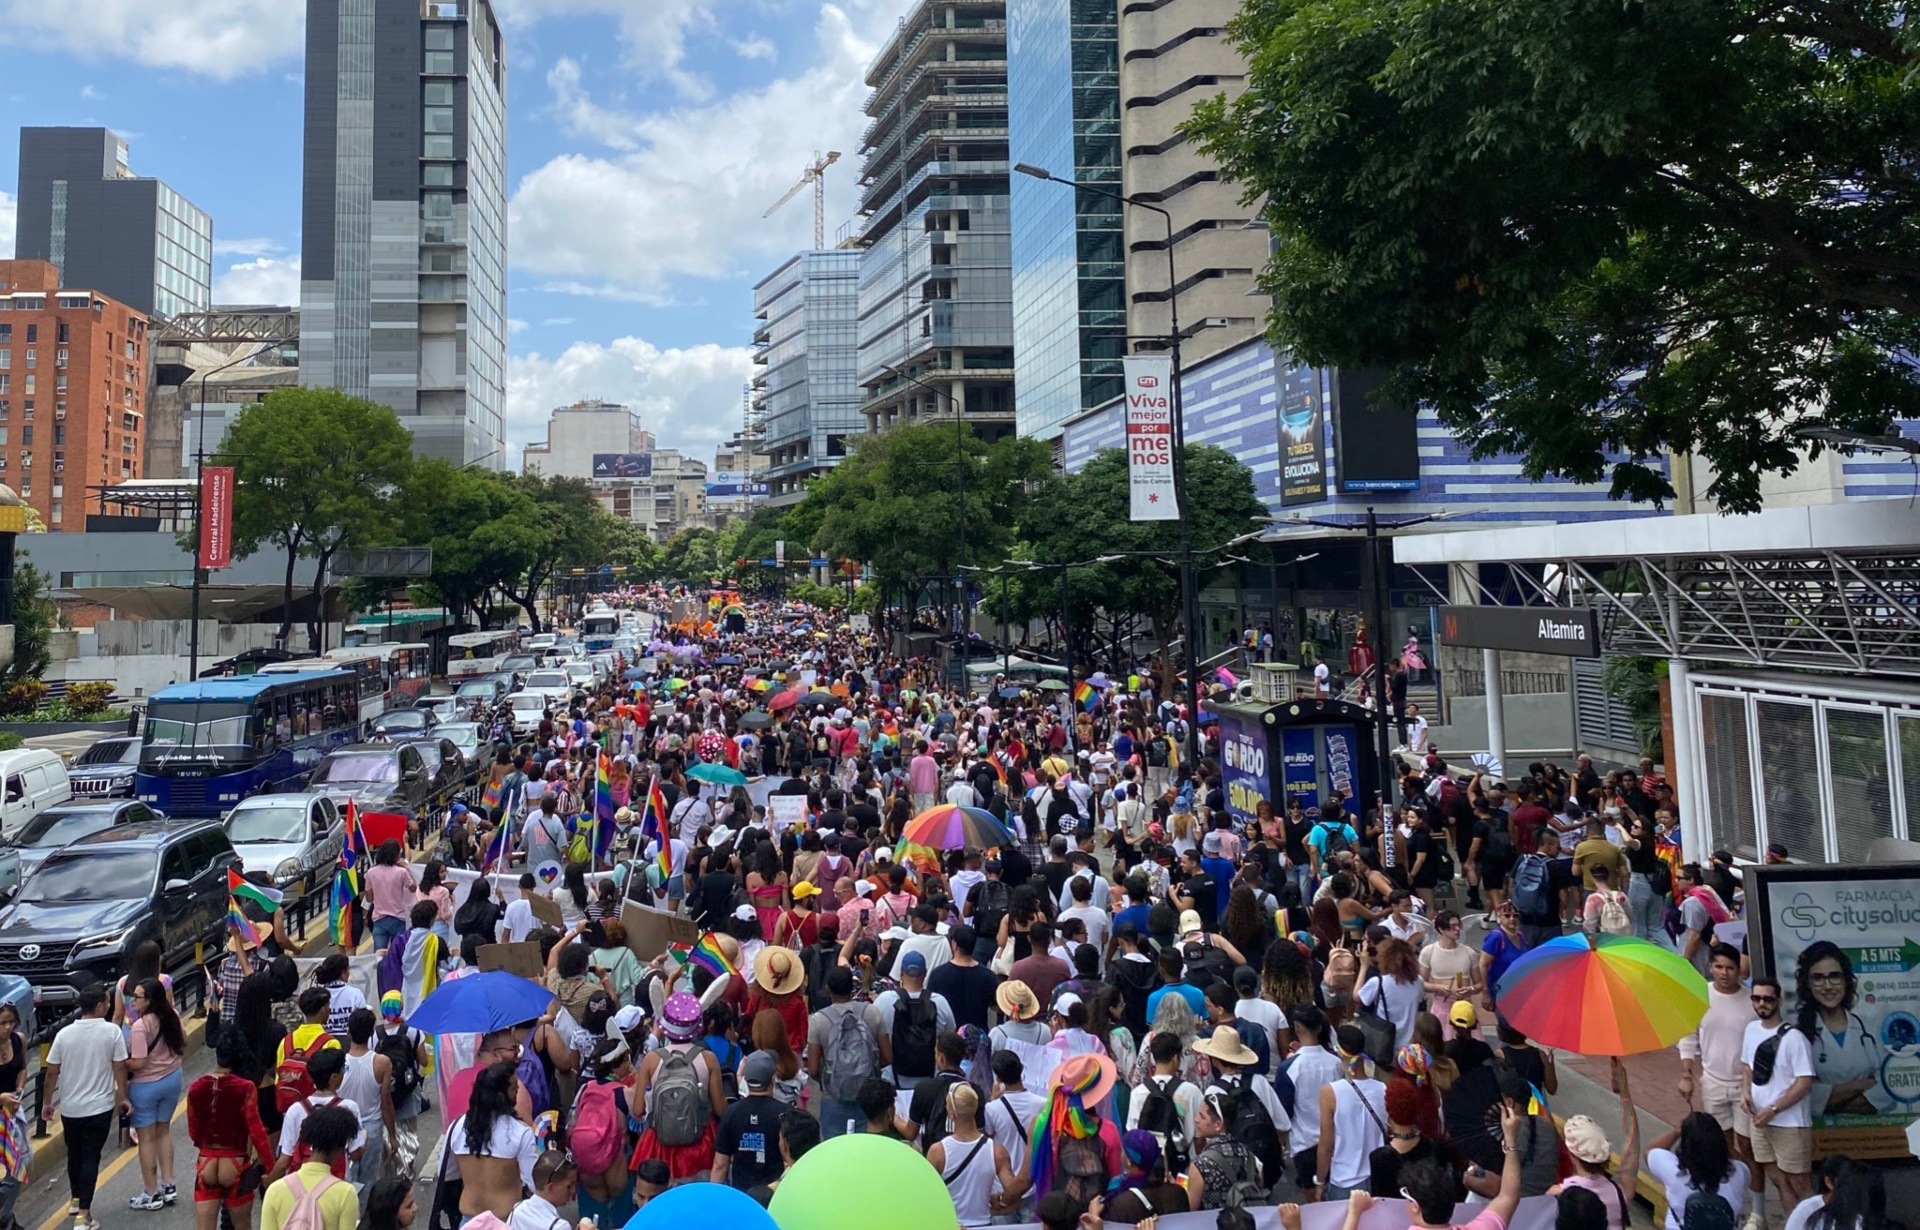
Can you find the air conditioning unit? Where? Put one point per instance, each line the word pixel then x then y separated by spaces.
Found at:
pixel 1270 682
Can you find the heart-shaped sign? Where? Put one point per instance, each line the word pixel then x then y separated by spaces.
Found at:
pixel 548 873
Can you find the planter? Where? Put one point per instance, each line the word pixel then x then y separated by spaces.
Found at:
pixel 32 730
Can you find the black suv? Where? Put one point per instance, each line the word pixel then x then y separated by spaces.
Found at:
pixel 105 770
pixel 382 777
pixel 79 917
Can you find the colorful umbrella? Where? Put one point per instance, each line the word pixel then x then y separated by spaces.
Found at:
pixel 1603 995
pixel 785 700
pixel 718 774
pixel 949 826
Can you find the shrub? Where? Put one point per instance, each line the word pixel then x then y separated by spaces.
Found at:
pixel 89 697
pixel 9 741
pixel 22 696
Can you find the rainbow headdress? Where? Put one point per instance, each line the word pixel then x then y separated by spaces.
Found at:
pixel 1067 1117
pixel 707 955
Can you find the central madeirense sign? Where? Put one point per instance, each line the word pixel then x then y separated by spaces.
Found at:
pixel 1569 632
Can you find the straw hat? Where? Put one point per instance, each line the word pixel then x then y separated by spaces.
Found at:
pixel 1226 1046
pixel 778 971
pixel 1016 1000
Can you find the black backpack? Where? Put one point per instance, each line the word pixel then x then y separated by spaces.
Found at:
pixel 1160 1114
pixel 915 1022
pixel 822 746
pixel 937 1127
pixel 399 1048
pixel 1707 1211
pixel 990 906
pixel 1252 1126
pixel 1157 753
pixel 1334 837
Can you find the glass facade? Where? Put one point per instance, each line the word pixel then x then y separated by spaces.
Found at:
pixel 182 256
pixel 1069 272
pixel 807 390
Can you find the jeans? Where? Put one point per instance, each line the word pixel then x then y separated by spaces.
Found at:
pixel 385 930
pixel 836 1116
pixel 86 1137
pixel 1302 877
pixel 366 1172
pixel 1645 907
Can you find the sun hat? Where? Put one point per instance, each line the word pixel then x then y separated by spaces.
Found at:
pixel 1092 1077
pixel 778 971
pixel 680 1017
pixel 1016 1000
pixel 1585 1140
pixel 1226 1046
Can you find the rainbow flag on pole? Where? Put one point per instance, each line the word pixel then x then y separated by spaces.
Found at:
pixel 603 809
pixel 707 955
pixel 346 882
pixel 1085 695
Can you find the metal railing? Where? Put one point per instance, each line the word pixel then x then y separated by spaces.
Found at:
pixel 1512 683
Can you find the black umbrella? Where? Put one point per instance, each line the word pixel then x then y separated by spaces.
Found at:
pixel 758 719
pixel 821 699
pixel 779 664
pixel 726 659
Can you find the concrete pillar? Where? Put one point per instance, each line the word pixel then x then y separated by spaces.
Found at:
pixel 1496 710
pixel 1696 841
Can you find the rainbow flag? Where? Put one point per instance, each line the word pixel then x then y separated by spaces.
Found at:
pixel 346 882
pixel 241 925
pixel 1085 695
pixel 653 815
pixel 603 810
pixel 999 770
pixel 707 955
pixel 500 849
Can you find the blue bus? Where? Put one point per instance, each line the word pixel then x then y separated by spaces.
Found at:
pixel 209 744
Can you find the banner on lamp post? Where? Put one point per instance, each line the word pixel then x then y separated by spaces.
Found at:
pixel 1149 389
pixel 216 517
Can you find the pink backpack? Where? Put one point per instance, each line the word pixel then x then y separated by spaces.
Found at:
pixel 598 1137
pixel 305 1214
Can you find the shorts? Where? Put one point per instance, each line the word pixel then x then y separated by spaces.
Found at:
pixel 235 1196
pixel 153 1101
pixel 1721 1099
pixel 1789 1148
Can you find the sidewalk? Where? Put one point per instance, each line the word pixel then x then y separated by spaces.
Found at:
pixel 1653 1082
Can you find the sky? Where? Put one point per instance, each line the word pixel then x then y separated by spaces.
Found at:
pixel 645 139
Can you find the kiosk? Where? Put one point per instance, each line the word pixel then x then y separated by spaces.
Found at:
pixel 1314 749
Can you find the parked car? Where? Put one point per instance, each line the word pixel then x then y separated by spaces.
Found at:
pixel 525 711
pixel 471 739
pixel 378 777
pixel 583 674
pixel 294 838
pixel 78 918
pixel 553 682
pixel 68 822
pixel 32 779
pixel 105 770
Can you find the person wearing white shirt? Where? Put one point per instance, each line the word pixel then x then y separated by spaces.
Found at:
pixel 1322 678
pixel 1101 891
pixel 555 1182
pixel 962 793
pixel 1782 1122
pixel 1262 1012
pixel 518 922
pixel 1416 731
pixel 1008 1117
pixel 1710 1055
pixel 1098 922
pixel 1312 1068
pixel 1165 1054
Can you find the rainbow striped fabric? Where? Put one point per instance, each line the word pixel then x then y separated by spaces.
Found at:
pixel 346 882
pixel 707 955
pixel 1085 695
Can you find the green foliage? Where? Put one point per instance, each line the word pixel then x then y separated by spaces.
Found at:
pixel 1634 682
pixel 9 741
pixel 89 697
pixel 693 556
pixel 315 471
pixel 1593 232
pixel 483 528
pixel 34 616
pixel 826 597
pixel 22 696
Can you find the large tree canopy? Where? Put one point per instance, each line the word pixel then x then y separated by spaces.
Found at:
pixel 1591 231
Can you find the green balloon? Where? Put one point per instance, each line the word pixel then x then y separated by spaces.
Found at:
pixel 862 1182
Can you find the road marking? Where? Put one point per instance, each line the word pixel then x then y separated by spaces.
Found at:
pixel 113 1168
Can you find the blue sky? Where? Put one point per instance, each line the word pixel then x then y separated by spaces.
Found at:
pixel 645 139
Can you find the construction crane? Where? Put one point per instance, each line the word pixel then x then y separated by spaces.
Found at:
pixel 815 174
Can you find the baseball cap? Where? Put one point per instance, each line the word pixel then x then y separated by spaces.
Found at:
pixel 1190 922
pixel 757 1070
pixel 913 963
pixel 628 1018
pixel 1463 1016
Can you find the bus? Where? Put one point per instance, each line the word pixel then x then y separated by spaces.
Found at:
pixel 206 745
pixel 598 627
pixel 372 688
pixel 403 670
pixel 478 653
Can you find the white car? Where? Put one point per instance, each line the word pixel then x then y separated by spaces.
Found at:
pixel 540 641
pixel 552 682
pixel 525 711
pixel 583 674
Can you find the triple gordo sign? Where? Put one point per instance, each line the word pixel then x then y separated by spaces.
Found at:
pixel 1149 380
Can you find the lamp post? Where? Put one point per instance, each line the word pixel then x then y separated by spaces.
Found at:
pixel 1189 593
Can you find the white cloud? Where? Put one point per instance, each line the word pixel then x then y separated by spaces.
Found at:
pixel 267 280
pixel 516 326
pixel 689 398
pixel 684 195
pixel 653 33
pixel 90 94
pixel 248 247
pixel 755 48
pixel 6 226
pixel 219 38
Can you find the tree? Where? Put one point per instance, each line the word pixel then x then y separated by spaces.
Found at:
pixel 314 472
pixel 34 617
pixel 478 524
pixel 1593 231
pixel 566 528
pixel 690 556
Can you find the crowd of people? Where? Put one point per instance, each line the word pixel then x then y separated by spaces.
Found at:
pixel 1137 1004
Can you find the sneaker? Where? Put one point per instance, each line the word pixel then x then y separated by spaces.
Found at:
pixel 73 1208
pixel 1755 1221
pixel 169 1193
pixel 145 1203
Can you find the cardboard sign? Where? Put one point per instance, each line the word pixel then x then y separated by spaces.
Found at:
pixel 649 931
pixel 522 959
pixel 785 811
pixel 547 910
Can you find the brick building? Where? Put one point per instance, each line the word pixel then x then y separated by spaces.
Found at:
pixel 73 381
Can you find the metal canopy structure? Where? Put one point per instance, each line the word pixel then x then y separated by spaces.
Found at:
pixel 1826 587
pixel 229 326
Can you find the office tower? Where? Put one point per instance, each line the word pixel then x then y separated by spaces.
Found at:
pixel 403 244
pixel 82 209
pixel 73 387
pixel 804 392
pixel 1069 269
pixel 581 436
pixel 936 314
pixel 1173 55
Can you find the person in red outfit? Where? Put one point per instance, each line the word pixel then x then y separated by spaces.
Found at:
pixel 223 1122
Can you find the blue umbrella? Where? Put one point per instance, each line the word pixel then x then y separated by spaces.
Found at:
pixel 634 672
pixel 481 1003
pixel 1010 693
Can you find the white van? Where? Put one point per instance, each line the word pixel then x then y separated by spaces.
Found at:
pixel 34 779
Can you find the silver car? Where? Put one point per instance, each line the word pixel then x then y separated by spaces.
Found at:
pixel 295 838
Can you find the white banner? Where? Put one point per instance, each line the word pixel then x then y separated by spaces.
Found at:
pixel 1149 390
pixel 1534 1213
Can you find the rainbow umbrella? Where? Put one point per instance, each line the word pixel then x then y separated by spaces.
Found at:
pixel 949 826
pixel 1603 995
pixel 925 860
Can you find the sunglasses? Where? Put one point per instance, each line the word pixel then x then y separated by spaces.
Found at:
pixel 1764 999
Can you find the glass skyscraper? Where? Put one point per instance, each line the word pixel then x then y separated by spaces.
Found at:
pixel 1069 270
pixel 403 290
pixel 804 386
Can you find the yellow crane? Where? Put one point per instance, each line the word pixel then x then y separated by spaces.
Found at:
pixel 815 174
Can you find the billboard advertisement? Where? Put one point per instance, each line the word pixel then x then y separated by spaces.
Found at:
pixel 734 485
pixel 1243 765
pixel 1300 767
pixel 216 517
pixel 1840 937
pixel 1376 437
pixel 1303 451
pixel 1341 749
pixel 1149 391
pixel 623 465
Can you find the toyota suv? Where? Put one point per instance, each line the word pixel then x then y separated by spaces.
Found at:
pixel 79 917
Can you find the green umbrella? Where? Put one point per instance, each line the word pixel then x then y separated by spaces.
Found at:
pixel 1052 685
pixel 718 774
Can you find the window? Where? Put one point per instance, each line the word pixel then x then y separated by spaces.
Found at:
pixel 439 94
pixel 6 358
pixel 6 332
pixel 439 38
pixel 437 119
pixel 437 146
pixel 59 435
pixel 60 355
pixel 57 510
pixel 434 205
pixel 26 436
pixel 33 333
pixel 30 380
pixel 65 331
pixel 33 356
pixel 439 62
pixel 435 175
pixel 60 382
pixel 5 382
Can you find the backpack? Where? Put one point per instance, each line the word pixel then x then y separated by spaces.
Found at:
pixel 291 1080
pixel 1080 1167
pixel 303 1152
pixel 1499 847
pixel 679 1110
pixel 822 746
pixel 1614 919
pixel 405 1060
pixel 531 1071
pixel 1660 879
pixel 1335 837
pixel 1160 1114
pixel 305 1214
pixel 1252 1126
pixel 598 1136
pixel 1245 1190
pixel 1707 1211
pixel 1530 886
pixel 852 1056
pixel 915 1022
pixel 937 1126
pixel 992 904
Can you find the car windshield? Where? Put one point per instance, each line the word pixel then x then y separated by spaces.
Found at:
pixel 120 875
pixel 547 679
pixel 110 751
pixel 403 719
pixel 518 662
pixel 51 829
pixel 278 822
pixel 461 732
pixel 358 767
pixel 176 727
pixel 530 702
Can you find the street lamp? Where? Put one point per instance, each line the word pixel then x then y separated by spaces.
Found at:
pixel 1847 441
pixel 1189 592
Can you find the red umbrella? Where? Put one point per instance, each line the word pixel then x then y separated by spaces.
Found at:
pixel 785 700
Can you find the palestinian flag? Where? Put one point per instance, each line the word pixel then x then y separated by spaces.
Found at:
pixel 244 890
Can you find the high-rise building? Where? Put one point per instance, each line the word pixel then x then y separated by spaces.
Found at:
pixel 804 391
pixel 1069 268
pixel 73 387
pixel 581 437
pixel 936 296
pixel 1172 55
pixel 403 245
pixel 82 209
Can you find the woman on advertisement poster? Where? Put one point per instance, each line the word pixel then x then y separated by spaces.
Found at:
pixel 1846 1053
